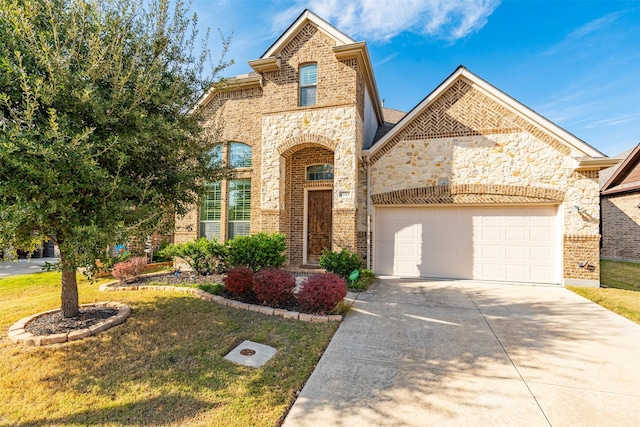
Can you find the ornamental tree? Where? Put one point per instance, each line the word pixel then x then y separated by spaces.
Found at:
pixel 97 140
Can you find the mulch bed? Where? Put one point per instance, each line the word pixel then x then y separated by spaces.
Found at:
pixel 54 323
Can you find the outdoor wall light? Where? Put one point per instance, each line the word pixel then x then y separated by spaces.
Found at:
pixel 577 209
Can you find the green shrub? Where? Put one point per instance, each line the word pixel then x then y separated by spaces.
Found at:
pixel 363 281
pixel 204 256
pixel 213 289
pixel 257 251
pixel 341 263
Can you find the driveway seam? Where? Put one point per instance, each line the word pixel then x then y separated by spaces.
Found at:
pixel 506 353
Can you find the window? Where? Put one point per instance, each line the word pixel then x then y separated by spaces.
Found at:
pixel 239 155
pixel 210 212
pixel 239 207
pixel 308 84
pixel 319 172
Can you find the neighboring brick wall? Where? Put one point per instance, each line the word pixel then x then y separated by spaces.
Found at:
pixel 621 226
pixel 581 250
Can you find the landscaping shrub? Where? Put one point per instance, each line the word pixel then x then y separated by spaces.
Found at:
pixel 257 251
pixel 341 263
pixel 129 269
pixel 363 281
pixel 204 256
pixel 213 289
pixel 273 287
pixel 239 281
pixel 322 292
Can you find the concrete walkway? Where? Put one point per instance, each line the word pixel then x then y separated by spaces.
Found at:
pixel 24 266
pixel 465 353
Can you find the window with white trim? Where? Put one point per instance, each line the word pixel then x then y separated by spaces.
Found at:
pixel 239 207
pixel 239 155
pixel 308 85
pixel 210 212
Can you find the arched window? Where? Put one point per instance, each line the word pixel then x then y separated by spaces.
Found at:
pixel 319 172
pixel 239 155
pixel 308 84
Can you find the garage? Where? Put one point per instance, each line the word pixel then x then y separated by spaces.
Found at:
pixel 504 243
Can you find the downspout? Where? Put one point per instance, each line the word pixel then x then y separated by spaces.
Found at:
pixel 368 215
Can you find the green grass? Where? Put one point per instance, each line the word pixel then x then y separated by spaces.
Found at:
pixel 163 366
pixel 621 289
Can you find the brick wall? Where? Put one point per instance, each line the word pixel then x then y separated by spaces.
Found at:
pixel 581 257
pixel 296 166
pixel 621 226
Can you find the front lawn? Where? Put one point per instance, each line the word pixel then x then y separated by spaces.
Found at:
pixel 621 289
pixel 164 365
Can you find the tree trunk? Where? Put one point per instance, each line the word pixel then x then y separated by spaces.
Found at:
pixel 70 306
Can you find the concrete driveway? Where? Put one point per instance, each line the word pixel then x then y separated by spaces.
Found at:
pixel 24 266
pixel 465 353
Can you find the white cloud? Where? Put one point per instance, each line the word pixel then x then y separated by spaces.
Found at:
pixel 375 20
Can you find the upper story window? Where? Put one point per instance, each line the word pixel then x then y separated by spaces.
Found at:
pixel 239 155
pixel 320 172
pixel 308 84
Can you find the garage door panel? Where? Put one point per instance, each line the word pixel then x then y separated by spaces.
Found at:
pixel 487 243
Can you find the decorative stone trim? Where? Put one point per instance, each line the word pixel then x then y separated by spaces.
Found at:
pixel 306 140
pixel 19 335
pixel 581 238
pixel 206 296
pixel 468 193
pixel 325 183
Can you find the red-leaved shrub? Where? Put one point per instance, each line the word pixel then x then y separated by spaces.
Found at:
pixel 322 292
pixel 129 269
pixel 239 281
pixel 273 286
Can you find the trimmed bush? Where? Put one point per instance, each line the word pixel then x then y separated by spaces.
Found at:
pixel 273 287
pixel 341 263
pixel 129 269
pixel 239 281
pixel 322 292
pixel 363 281
pixel 204 256
pixel 257 251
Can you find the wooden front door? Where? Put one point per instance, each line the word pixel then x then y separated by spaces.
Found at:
pixel 319 223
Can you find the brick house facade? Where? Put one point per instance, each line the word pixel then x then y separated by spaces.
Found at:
pixel 620 204
pixel 330 167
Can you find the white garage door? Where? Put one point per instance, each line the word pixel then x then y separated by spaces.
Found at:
pixel 486 243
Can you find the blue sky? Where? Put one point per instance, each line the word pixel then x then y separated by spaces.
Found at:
pixel 577 63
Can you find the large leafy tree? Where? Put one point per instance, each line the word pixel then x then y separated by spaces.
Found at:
pixel 97 142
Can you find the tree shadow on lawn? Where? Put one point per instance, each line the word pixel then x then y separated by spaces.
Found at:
pixel 174 346
pixel 459 349
pixel 165 409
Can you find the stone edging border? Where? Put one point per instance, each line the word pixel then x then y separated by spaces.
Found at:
pixel 203 295
pixel 19 335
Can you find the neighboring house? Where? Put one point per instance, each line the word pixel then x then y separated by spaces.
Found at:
pixel 470 184
pixel 620 208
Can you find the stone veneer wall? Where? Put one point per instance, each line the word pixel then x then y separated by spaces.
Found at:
pixel 621 226
pixel 465 148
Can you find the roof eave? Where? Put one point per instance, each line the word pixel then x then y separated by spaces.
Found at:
pixel 633 157
pixel 236 83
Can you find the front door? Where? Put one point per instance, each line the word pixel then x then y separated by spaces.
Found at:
pixel 319 226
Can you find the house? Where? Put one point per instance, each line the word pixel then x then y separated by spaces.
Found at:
pixel 468 184
pixel 620 208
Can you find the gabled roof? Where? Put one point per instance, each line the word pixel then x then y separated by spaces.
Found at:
pixel 626 177
pixel 290 33
pixel 586 155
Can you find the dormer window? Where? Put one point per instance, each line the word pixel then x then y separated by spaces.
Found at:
pixel 308 84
